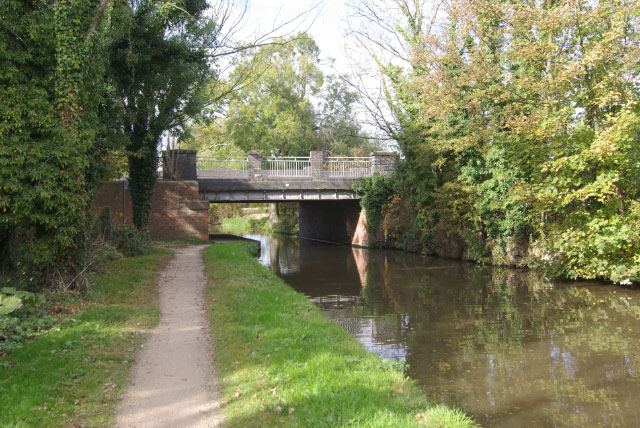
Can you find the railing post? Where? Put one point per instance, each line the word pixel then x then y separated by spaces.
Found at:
pixel 254 164
pixel 383 163
pixel 316 158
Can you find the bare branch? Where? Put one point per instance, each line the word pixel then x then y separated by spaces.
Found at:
pixel 14 34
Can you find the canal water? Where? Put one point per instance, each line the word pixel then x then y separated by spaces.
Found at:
pixel 507 346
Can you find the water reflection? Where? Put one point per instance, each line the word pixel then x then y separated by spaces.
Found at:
pixel 507 346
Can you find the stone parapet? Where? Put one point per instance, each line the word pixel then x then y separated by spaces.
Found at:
pixel 316 158
pixel 383 163
pixel 254 164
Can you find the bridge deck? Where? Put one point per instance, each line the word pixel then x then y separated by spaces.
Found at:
pixel 273 190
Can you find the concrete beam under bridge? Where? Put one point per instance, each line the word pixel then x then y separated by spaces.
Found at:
pixel 276 190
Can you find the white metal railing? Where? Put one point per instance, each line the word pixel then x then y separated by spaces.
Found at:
pixel 343 166
pixel 230 167
pixel 287 167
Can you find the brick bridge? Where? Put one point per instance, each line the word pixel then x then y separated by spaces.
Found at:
pixel 322 186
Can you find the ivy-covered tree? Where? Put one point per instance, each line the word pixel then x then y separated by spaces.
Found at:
pixel 51 152
pixel 158 56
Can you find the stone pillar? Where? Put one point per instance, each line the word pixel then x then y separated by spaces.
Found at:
pixel 383 163
pixel 254 158
pixel 317 161
pixel 179 164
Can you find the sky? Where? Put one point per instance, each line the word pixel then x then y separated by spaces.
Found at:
pixel 325 23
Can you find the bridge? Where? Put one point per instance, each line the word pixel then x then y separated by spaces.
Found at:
pixel 322 186
pixel 274 179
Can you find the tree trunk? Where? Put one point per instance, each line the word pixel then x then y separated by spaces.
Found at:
pixel 143 166
pixel 274 218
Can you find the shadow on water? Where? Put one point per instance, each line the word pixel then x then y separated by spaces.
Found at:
pixel 507 346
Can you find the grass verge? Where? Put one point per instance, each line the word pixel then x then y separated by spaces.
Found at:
pixel 243 225
pixel 180 242
pixel 281 363
pixel 74 374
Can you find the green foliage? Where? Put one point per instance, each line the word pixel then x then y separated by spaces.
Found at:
pixel 130 241
pixel 375 192
pixel 22 316
pixel 515 131
pixel 288 216
pixel 275 110
pixel 50 94
pixel 275 114
pixel 158 57
pixel 9 304
pixel 219 212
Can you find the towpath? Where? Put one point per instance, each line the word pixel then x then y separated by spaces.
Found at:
pixel 173 379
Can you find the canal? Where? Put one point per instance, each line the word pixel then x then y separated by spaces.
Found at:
pixel 507 346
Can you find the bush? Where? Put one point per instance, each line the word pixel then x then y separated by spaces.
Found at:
pixel 129 241
pixel 219 212
pixel 258 225
pixel 287 218
pixel 375 192
pixel 24 320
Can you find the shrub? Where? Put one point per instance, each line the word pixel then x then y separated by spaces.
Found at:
pixel 258 225
pixel 129 241
pixel 287 218
pixel 375 192
pixel 21 317
pixel 218 212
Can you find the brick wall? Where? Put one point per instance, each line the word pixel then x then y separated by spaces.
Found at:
pixel 176 212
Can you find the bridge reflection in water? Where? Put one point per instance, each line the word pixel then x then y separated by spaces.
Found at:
pixel 508 347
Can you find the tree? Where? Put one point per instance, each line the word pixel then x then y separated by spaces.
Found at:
pixel 286 105
pixel 158 56
pixel 515 129
pixel 52 101
pixel 275 112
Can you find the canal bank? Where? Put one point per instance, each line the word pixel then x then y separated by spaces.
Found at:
pixel 281 363
pixel 507 346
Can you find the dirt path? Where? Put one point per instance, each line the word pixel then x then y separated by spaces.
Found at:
pixel 173 381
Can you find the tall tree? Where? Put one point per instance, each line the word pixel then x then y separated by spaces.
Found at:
pixel 286 105
pixel 159 55
pixel 52 95
pixel 275 113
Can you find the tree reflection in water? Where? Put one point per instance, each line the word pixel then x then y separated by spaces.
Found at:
pixel 507 346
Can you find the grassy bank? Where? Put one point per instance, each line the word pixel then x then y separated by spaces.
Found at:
pixel 74 374
pixel 243 225
pixel 281 363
